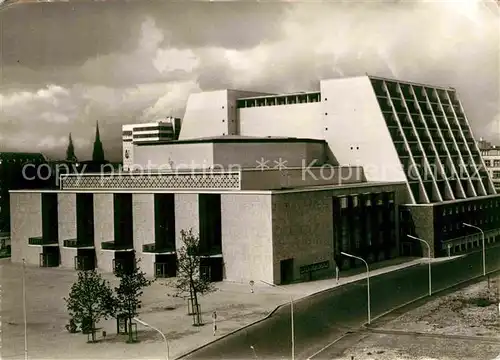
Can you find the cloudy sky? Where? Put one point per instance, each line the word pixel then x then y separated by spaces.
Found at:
pixel 65 65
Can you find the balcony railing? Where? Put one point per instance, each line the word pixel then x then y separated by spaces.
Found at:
pixel 74 243
pixel 111 245
pixel 39 240
pixel 153 248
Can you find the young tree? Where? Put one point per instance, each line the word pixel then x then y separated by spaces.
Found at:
pixel 90 300
pixel 189 280
pixel 129 292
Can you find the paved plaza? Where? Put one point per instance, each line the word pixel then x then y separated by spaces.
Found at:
pixel 235 304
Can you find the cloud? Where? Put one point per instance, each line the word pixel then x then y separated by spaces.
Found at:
pixel 155 58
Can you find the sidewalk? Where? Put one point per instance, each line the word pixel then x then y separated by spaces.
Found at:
pixel 236 307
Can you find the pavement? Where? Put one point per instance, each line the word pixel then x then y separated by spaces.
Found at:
pixel 321 320
pixel 235 304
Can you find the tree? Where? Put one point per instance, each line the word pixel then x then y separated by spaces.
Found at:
pixel 90 300
pixel 189 280
pixel 98 151
pixel 70 151
pixel 129 292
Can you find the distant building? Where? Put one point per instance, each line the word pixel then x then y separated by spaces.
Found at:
pixel 483 144
pixel 36 175
pixel 491 156
pixel 167 129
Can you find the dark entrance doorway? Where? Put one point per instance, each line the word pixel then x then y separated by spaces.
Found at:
pixel 286 269
pixel 85 259
pixel 165 266
pixel 50 256
pixel 124 260
pixel 212 268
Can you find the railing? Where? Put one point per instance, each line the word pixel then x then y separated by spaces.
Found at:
pixel 153 248
pixel 39 240
pixel 111 245
pixel 74 243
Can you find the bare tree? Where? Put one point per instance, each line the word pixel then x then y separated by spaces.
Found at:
pixel 189 279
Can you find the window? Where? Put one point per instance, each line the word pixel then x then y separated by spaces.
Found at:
pixel 343 202
pixel 496 163
pixel 355 201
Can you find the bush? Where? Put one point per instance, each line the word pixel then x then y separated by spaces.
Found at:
pixel 481 302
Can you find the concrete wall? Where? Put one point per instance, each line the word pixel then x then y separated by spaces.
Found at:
pixel 356 130
pixel 66 203
pixel 296 178
pixel 302 230
pixel 206 115
pixel 247 237
pixel 249 154
pixel 178 156
pixel 103 229
pixel 186 216
pixel 423 219
pixel 25 222
pixel 144 229
pixel 233 121
pixel 295 120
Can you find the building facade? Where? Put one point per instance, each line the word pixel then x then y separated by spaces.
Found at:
pixel 491 158
pixel 277 186
pixel 19 171
pixel 164 130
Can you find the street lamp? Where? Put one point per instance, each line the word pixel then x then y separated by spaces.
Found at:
pixel 155 329
pixel 484 251
pixel 291 317
pixel 429 253
pixel 24 313
pixel 367 280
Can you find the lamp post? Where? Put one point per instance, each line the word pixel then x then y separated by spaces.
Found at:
pixel 484 250
pixel 291 317
pixel 429 262
pixel 142 322
pixel 367 280
pixel 24 313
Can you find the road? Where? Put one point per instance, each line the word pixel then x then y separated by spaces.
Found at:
pixel 322 318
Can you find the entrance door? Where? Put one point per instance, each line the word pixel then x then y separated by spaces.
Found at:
pixel 49 257
pixel 286 267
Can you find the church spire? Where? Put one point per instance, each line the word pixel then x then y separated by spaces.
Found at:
pixel 98 152
pixel 70 151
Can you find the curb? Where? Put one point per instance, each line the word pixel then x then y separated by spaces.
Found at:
pixel 187 353
pixel 472 280
pixel 437 292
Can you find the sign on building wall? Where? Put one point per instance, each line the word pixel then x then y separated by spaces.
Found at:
pixel 314 267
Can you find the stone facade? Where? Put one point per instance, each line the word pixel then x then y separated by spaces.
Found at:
pixel 258 229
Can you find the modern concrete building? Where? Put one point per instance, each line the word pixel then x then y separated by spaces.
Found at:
pixel 491 156
pixel 277 186
pixel 163 130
